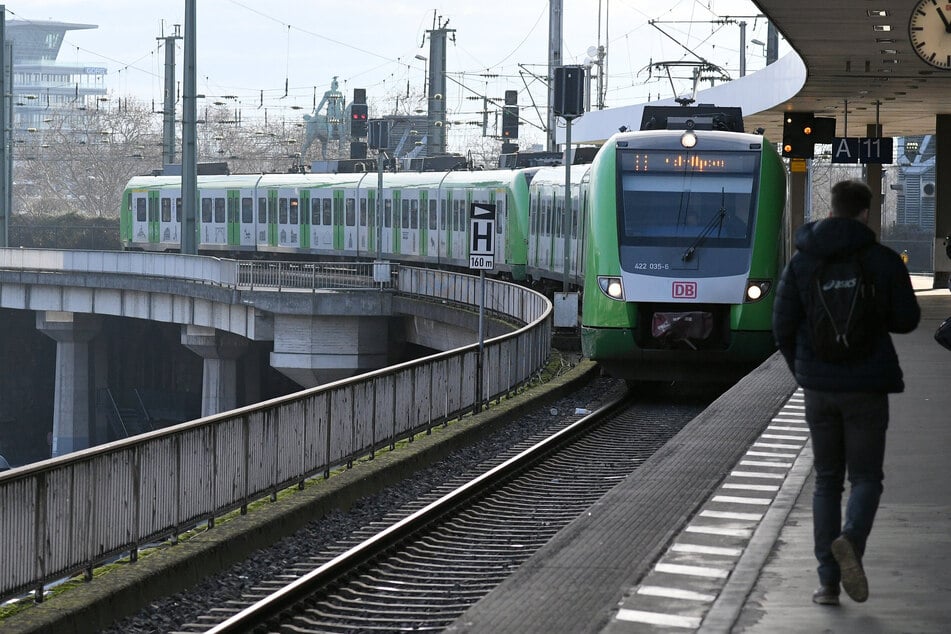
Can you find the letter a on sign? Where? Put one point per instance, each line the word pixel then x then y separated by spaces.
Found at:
pixel 845 150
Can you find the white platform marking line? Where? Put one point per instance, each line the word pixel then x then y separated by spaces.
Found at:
pixel 786 428
pixel 757 474
pixel 707 572
pixel 764 463
pixel 697 549
pixel 655 618
pixel 716 530
pixel 772 454
pixel 777 445
pixel 784 437
pixel 750 487
pixel 675 593
pixel 736 499
pixel 727 515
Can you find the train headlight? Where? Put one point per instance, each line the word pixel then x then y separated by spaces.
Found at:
pixel 611 286
pixel 757 289
pixel 688 139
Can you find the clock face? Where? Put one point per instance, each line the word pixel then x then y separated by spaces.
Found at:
pixel 929 31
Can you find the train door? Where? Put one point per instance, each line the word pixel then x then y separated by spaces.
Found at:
pixel 499 199
pixel 288 218
pixel 458 249
pixel 213 220
pixel 388 222
pixel 445 225
pixel 372 222
pixel 338 220
pixel 429 218
pixel 364 218
pixel 246 227
pixel 170 219
pixel 154 226
pixel 534 215
pixel 350 221
pixel 305 218
pixel 233 215
pixel 321 219
pixel 557 262
pixel 409 218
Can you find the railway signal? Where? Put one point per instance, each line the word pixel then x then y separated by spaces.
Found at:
pixel 358 120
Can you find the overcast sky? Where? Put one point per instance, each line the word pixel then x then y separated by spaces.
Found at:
pixel 249 46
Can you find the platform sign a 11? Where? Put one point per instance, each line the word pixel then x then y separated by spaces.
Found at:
pixel 482 236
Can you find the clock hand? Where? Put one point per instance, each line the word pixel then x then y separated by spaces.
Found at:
pixel 947 25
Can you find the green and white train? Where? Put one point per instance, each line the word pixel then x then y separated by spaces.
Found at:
pixel 675 237
pixel 425 217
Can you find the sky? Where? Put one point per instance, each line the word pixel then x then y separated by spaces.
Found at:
pixel 280 56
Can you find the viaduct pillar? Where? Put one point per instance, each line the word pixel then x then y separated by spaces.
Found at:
pixel 220 352
pixel 72 399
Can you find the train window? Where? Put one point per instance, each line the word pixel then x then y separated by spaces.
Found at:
pixel 414 214
pixel 387 213
pixel 272 210
pixel 575 207
pixel 140 209
pixel 442 214
pixel 294 215
pixel 674 197
pixel 232 207
pixel 499 214
pixel 433 214
pixel 247 210
pixel 327 208
pixel 546 231
pixel 404 214
pixel 219 210
pixel 363 212
pixel 178 210
pixel 262 210
pixel 282 211
pixel 166 210
pixel 207 207
pixel 559 214
pixel 351 205
pixel 153 210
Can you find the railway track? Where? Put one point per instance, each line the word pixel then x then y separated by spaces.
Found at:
pixel 421 568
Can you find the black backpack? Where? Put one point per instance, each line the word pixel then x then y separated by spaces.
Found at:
pixel 841 309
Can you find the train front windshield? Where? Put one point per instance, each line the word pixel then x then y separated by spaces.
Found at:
pixel 672 197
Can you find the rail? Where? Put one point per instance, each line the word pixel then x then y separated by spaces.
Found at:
pixel 68 514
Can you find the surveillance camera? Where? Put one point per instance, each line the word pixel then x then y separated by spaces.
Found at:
pixel 438 124
pixel 623 128
pixel 437 96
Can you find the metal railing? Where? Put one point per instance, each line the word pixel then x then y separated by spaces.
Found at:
pixel 67 514
pixel 200 269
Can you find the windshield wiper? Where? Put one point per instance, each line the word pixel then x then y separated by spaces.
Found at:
pixel 715 222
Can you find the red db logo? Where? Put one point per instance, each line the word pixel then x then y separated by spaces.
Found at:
pixel 685 290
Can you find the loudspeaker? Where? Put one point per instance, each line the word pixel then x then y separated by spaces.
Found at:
pixel 569 91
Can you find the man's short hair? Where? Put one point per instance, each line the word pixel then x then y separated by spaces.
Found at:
pixel 850 198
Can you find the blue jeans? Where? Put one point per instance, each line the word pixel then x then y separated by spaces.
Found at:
pixel 848 432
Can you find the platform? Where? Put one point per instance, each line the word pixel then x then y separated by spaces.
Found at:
pixel 742 560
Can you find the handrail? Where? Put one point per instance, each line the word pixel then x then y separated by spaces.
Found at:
pixel 67 514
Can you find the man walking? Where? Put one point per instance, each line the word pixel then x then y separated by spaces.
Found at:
pixel 846 394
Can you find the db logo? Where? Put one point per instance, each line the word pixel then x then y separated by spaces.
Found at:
pixel 685 290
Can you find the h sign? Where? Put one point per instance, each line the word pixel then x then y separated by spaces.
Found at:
pixel 482 236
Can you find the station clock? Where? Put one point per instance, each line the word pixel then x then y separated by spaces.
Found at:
pixel 929 31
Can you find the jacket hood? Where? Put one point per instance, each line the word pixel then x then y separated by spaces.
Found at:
pixel 832 235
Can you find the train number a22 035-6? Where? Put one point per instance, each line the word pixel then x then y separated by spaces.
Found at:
pixel 651 266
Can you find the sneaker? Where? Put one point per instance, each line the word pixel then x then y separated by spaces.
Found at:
pixel 850 565
pixel 826 595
